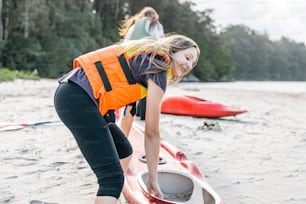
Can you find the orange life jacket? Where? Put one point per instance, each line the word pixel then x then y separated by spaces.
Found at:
pixel 110 77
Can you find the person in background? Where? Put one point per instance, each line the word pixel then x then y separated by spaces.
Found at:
pixel 110 78
pixel 143 24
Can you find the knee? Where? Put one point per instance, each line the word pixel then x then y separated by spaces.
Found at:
pixel 111 182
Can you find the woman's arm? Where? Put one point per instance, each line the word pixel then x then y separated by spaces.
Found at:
pixel 152 135
pixel 127 120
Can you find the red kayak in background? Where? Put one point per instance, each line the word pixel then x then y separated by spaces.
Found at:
pixel 179 178
pixel 197 107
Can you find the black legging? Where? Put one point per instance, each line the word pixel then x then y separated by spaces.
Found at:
pixel 101 143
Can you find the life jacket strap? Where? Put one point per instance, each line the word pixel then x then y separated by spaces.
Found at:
pixel 126 69
pixel 103 76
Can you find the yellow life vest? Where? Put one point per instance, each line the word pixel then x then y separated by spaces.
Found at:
pixel 109 75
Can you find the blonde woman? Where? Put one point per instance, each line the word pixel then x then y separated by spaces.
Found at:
pixel 110 78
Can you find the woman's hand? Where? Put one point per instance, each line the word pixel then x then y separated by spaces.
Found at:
pixel 153 188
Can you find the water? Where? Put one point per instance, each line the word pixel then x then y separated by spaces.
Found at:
pixel 274 86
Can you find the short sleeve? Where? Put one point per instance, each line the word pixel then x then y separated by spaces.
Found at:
pixel 142 72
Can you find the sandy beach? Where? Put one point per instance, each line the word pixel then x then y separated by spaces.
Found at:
pixel 258 157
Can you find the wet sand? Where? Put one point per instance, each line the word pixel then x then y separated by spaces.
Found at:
pixel 258 157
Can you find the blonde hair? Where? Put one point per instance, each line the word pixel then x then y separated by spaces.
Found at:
pixel 145 12
pixel 150 48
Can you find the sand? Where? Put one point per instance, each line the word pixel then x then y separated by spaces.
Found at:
pixel 258 157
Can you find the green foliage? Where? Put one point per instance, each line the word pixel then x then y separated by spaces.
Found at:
pixel 8 75
pixel 47 35
pixel 18 52
pixel 258 58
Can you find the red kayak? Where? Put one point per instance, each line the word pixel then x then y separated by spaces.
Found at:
pixel 197 107
pixel 179 178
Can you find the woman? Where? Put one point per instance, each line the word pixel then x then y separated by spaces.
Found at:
pixel 109 78
pixel 143 24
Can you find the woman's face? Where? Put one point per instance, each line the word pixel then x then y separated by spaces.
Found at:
pixel 183 62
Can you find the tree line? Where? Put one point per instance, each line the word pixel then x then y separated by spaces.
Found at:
pixel 47 35
pixel 259 58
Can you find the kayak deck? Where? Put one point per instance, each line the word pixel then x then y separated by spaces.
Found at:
pixel 180 179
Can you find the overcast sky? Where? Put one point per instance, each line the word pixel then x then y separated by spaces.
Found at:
pixel 275 17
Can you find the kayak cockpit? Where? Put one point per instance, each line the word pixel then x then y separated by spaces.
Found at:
pixel 180 188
